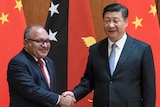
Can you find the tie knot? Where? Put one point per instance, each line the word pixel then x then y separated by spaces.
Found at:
pixel 40 62
pixel 114 46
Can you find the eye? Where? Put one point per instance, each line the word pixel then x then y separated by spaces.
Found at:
pixel 44 41
pixel 106 21
pixel 116 21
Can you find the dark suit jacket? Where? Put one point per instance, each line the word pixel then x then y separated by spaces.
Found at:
pixel 133 81
pixel 27 85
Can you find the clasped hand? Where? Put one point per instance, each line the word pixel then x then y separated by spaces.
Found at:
pixel 67 99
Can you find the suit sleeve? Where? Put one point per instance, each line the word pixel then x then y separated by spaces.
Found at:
pixel 21 81
pixel 87 81
pixel 148 79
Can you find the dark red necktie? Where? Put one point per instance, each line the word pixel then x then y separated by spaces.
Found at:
pixel 40 62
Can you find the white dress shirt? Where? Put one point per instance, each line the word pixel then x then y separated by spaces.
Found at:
pixel 120 44
pixel 47 74
pixel 45 69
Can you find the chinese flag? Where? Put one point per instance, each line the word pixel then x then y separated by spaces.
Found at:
pixel 12 25
pixel 80 37
pixel 143 25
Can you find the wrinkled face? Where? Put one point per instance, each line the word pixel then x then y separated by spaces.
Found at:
pixel 114 25
pixel 38 43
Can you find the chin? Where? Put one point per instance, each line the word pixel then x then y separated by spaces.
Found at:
pixel 43 55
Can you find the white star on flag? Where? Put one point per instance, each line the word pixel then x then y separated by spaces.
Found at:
pixel 53 9
pixel 52 36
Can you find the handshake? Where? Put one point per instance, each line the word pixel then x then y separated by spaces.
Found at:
pixel 67 99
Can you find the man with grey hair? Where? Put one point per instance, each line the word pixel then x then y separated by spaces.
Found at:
pixel 31 74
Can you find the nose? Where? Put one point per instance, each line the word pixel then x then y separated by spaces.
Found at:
pixel 45 44
pixel 111 25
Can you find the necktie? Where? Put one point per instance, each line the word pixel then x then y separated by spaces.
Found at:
pixel 112 58
pixel 41 64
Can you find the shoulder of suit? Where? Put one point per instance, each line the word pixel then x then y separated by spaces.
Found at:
pixel 138 41
pixel 103 41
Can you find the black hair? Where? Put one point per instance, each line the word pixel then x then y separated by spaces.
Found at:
pixel 116 7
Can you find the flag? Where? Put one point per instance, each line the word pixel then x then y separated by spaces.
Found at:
pixel 12 25
pixel 143 25
pixel 57 27
pixel 71 32
pixel 80 36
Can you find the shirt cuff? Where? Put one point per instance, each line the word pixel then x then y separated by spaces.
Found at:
pixel 58 100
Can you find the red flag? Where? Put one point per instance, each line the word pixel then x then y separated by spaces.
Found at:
pixel 143 25
pixel 12 25
pixel 80 37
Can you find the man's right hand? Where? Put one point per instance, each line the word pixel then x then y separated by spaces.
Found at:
pixel 67 99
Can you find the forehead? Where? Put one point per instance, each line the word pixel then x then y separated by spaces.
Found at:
pixel 113 15
pixel 38 32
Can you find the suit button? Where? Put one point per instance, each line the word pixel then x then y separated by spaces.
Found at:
pixel 111 82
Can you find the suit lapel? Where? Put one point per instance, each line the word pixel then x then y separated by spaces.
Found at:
pixel 127 50
pixel 41 74
pixel 52 76
pixel 36 66
pixel 49 72
pixel 103 49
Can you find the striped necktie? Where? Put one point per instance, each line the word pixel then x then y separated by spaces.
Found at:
pixel 41 64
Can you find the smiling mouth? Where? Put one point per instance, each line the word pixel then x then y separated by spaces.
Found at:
pixel 44 50
pixel 111 31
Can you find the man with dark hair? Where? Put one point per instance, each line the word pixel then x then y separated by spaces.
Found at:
pixel 120 69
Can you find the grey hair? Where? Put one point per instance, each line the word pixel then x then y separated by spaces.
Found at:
pixel 28 30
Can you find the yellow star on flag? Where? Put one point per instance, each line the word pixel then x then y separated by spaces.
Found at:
pixel 137 22
pixel 18 5
pixel 4 18
pixel 153 10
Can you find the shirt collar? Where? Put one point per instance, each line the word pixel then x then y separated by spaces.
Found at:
pixel 36 59
pixel 120 43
